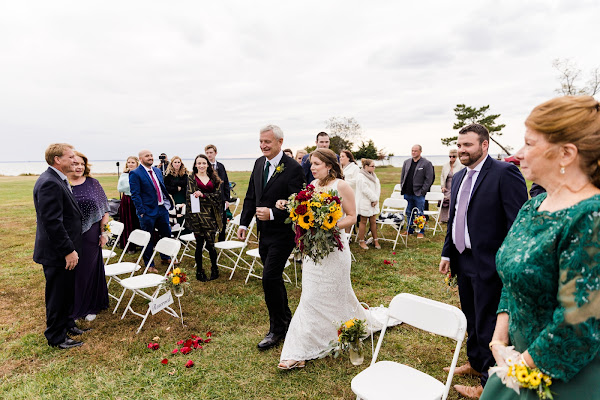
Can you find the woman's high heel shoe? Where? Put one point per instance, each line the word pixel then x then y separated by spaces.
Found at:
pixel 363 245
pixel 291 364
pixel 376 242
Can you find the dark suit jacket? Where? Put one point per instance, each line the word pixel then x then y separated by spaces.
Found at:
pixel 225 187
pixel 280 186
pixel 423 177
pixel 143 192
pixel 497 197
pixel 58 220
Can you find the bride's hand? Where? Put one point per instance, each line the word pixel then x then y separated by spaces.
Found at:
pixel 280 204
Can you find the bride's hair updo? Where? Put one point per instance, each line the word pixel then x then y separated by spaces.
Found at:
pixel 575 120
pixel 330 159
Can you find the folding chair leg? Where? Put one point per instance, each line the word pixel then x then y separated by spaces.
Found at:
pixel 128 305
pixel 119 301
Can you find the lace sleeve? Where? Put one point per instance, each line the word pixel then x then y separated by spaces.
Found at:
pixel 503 305
pixel 572 339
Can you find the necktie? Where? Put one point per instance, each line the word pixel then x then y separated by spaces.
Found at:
pixel 461 213
pixel 68 185
pixel 158 195
pixel 266 174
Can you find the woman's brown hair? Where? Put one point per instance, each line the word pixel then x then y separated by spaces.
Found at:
pixel 86 164
pixel 572 119
pixel 182 170
pixel 330 159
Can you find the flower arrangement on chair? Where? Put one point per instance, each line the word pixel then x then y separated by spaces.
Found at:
pixel 175 281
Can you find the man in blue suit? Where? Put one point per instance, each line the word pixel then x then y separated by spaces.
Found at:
pixel 152 202
pixel 485 199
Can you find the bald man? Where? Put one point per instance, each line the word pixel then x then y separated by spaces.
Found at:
pixel 152 202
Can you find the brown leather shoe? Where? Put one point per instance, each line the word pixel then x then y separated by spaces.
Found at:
pixel 465 369
pixel 469 391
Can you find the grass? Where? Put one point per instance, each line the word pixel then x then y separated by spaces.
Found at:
pixel 115 363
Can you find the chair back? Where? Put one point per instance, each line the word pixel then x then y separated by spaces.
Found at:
pixel 396 195
pixel 140 238
pixel 434 196
pixel 397 188
pixel 169 247
pixel 436 188
pixel 235 206
pixel 429 315
pixel 394 205
pixel 116 228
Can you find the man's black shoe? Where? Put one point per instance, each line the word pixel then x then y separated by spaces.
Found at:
pixel 68 344
pixel 270 340
pixel 75 331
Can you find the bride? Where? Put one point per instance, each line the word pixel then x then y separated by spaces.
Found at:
pixel 327 296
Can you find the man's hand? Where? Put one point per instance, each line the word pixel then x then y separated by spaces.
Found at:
pixel 241 234
pixel 72 259
pixel 444 267
pixel 263 213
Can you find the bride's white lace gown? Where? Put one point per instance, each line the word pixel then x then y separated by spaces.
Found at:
pixel 327 300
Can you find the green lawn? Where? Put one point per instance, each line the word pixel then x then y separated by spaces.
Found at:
pixel 115 362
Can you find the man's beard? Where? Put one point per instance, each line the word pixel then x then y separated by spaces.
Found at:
pixel 473 158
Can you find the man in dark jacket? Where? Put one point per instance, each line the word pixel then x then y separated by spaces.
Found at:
pixel 211 153
pixel 416 180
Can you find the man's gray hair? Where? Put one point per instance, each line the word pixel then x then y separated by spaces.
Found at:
pixel 275 129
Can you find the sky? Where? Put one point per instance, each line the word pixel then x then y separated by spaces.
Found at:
pixel 114 77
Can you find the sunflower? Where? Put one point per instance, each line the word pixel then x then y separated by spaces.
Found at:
pixel 329 222
pixel 293 216
pixel 349 323
pixel 521 374
pixel 535 378
pixel 176 280
pixel 307 220
pixel 176 271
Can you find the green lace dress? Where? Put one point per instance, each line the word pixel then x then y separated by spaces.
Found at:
pixel 549 264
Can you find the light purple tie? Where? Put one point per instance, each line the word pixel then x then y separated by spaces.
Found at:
pixel 461 213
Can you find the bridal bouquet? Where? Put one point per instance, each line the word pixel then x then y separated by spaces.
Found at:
pixel 315 215
pixel 516 375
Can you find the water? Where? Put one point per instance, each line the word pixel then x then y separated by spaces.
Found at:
pixel 14 168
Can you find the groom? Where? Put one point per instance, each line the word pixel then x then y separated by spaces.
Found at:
pixel 275 176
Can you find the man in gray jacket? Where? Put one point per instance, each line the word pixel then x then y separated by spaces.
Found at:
pixel 417 177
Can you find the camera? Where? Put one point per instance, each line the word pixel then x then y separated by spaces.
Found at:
pixel 162 157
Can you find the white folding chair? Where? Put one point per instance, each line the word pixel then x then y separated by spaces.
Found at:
pixel 392 215
pixel 137 237
pixel 433 198
pixel 116 230
pixel 137 284
pixel 398 188
pixel 436 188
pixel 233 250
pixel 257 261
pixel 396 195
pixel 232 227
pixel 235 204
pixel 388 379
pixel 189 245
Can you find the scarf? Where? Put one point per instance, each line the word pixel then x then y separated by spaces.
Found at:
pixel 368 175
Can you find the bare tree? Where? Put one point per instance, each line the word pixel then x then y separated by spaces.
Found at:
pixel 569 73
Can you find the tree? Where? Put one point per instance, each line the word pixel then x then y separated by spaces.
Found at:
pixel 342 131
pixel 367 150
pixel 569 73
pixel 470 115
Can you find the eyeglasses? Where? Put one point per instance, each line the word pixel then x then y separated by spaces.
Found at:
pixel 452 156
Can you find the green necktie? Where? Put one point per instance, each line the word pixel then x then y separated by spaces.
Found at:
pixel 266 174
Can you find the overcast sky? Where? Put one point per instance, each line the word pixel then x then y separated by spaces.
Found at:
pixel 113 77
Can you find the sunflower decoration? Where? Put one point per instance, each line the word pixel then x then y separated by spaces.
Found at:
pixel 314 215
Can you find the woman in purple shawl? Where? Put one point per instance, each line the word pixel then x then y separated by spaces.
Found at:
pixel 91 293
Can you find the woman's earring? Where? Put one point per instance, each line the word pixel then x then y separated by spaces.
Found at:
pixel 562 170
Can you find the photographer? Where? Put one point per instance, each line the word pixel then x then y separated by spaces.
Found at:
pixel 164 163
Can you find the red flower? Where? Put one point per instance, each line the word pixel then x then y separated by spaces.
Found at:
pixel 208 334
pixel 200 340
pixel 301 209
pixel 207 340
pixel 194 337
pixel 180 342
pixel 185 350
pixel 386 262
pixel 153 346
pixel 150 345
pixel 164 361
pixel 200 347
pixel 394 253
pixel 188 343
pixel 189 364
pixel 196 344
pixel 175 351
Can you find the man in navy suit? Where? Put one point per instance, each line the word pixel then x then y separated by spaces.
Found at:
pixel 58 243
pixel 152 202
pixel 322 142
pixel 275 177
pixel 211 153
pixel 485 199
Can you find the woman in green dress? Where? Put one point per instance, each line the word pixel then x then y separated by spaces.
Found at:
pixel 549 262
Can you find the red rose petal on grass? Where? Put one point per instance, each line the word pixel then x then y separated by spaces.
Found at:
pixel 194 337
pixel 180 342
pixel 175 351
pixel 208 334
pixel 155 346
pixel 386 262
pixel 189 364
pixel 164 361
pixel 200 340
pixel 188 343
pixel 394 253
pixel 196 345
pixel 207 340
pixel 186 350
pixel 200 347
pixel 149 345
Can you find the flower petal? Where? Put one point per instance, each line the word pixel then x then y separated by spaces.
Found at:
pixel 189 364
pixel 164 361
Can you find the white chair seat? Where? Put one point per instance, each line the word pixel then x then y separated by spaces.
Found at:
pixel 253 253
pixel 229 245
pixel 390 380
pixel 142 281
pixel 121 268
pixel 188 237
pixel 106 253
